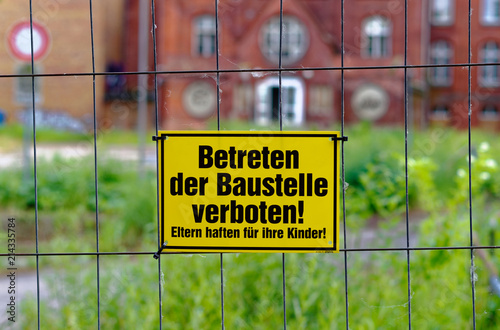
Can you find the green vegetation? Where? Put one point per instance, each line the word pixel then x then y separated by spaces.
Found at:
pixel 315 290
pixel 11 137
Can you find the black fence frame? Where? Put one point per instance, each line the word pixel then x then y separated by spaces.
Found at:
pixel 345 250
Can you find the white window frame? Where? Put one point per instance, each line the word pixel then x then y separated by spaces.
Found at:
pixel 442 12
pixel 490 14
pixel 377 37
pixel 489 113
pixel 440 112
pixel 488 75
pixel 295 40
pixel 263 106
pixel 441 53
pixel 204 31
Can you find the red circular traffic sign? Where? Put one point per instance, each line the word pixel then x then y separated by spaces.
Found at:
pixel 19 40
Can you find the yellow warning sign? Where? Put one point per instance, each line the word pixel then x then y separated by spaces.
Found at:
pixel 248 191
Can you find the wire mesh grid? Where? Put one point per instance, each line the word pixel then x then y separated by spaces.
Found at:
pixel 346 253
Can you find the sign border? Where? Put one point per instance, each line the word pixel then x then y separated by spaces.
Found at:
pixel 38 55
pixel 163 135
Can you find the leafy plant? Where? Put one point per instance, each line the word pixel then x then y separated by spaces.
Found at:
pixel 384 187
pixel 316 285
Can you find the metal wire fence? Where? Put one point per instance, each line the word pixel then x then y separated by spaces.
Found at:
pixel 406 309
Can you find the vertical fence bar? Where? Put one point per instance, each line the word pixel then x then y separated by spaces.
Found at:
pixel 407 201
pixel 344 186
pixel 96 181
pixel 221 259
pixel 469 129
pixel 35 174
pixel 280 67
pixel 155 68
pixel 280 115
pixel 217 60
pixel 222 289
pixel 284 288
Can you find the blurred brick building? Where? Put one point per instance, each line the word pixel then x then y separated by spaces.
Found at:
pixel 69 50
pixel 249 39
pixel 449 43
pixel 187 49
pixel 374 35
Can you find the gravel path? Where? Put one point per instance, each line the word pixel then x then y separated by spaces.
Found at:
pixel 25 286
pixel 128 153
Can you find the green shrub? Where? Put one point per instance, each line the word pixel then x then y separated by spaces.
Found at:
pixel 315 289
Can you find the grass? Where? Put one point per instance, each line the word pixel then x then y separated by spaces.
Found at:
pixel 315 287
pixel 253 292
pixel 11 137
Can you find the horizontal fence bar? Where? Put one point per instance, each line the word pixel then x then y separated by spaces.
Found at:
pixel 152 253
pixel 347 68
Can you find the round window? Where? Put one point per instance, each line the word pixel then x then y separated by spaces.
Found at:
pixel 370 102
pixel 199 99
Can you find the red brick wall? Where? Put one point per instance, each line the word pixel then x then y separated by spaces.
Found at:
pixel 68 23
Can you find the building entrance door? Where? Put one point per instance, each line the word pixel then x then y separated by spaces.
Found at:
pixel 268 100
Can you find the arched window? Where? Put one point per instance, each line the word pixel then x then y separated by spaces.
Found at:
pixel 441 54
pixel 491 12
pixel 376 40
pixel 442 12
pixel 204 36
pixel 294 44
pixel 488 75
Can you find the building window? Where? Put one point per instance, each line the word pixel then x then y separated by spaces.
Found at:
pixel 441 54
pixel 370 102
pixel 204 36
pixel 489 113
pixel 294 43
pixel 440 112
pixel 199 99
pixel 320 100
pixel 488 75
pixel 442 12
pixel 242 100
pixel 491 12
pixel 115 88
pixel 376 37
